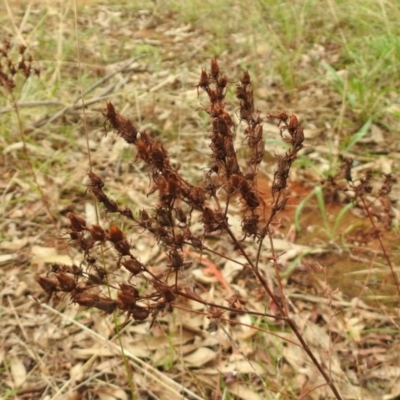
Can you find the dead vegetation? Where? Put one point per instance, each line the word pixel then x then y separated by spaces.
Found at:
pixel 199 271
pixel 149 293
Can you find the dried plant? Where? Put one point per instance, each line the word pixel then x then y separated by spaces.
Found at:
pixel 149 293
pixel 11 69
pixel 372 199
pixel 14 72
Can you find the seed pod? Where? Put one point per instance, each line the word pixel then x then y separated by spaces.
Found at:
pixel 98 233
pixel 196 242
pixel 47 284
pixel 251 199
pixel 293 123
pixel 67 283
pixel 176 259
pixel 123 247
pixel 106 304
pixel 115 234
pixel 133 266
pixel 129 289
pixel 164 217
pixel 222 81
pixel 140 313
pixel 85 299
pixel 126 302
pixel 214 68
pixel 127 212
pixel 95 180
pixel 180 215
pixel 78 224
pixel 245 80
pixel 165 290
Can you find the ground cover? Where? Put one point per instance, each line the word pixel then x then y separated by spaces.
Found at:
pixel 333 64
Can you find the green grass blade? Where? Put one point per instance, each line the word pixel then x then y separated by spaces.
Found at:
pixel 340 216
pixel 295 262
pixel 358 135
pixel 321 204
pixel 299 209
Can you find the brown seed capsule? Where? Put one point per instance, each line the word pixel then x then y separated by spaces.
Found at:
pixel 115 234
pixel 293 122
pixel 132 265
pixel 165 290
pixel 95 180
pixel 127 212
pixel 129 289
pixel 196 242
pixel 164 217
pixel 67 283
pixel 123 247
pixel 85 299
pixel 222 81
pixel 98 233
pixel 251 199
pixel 140 313
pixel 106 304
pixel 204 81
pixel 47 284
pixel 126 302
pixel 214 68
pixel 180 215
pixel 78 224
pixel 93 279
pixel 245 80
pixel 176 259
pixel 110 114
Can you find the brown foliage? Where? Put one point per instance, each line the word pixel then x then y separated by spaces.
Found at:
pixel 170 221
pixel 180 202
